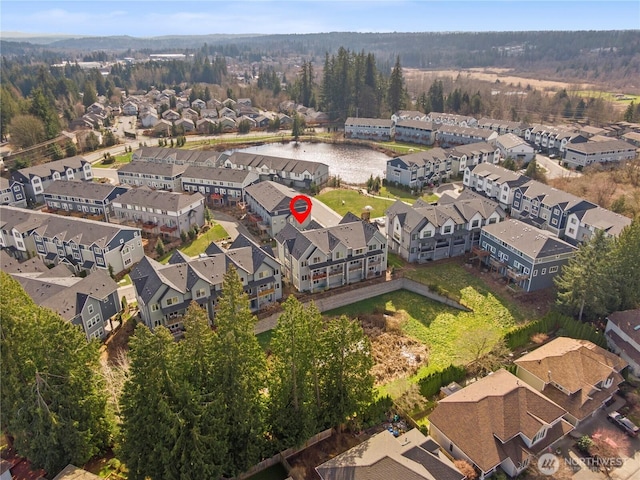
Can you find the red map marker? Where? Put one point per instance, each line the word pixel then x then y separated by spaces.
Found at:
pixel 300 216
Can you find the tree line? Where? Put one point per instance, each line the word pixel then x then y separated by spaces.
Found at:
pixel 212 404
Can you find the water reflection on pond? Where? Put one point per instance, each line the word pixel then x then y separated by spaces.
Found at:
pixel 352 163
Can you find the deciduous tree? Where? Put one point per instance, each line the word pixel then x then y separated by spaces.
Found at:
pixel 26 130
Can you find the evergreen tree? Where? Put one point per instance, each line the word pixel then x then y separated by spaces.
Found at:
pixel 42 107
pixel 436 96
pixel 298 126
pixel 584 285
pixel 240 368
pixel 89 97
pixel 149 426
pixel 294 382
pixel 628 113
pixel 346 381
pixel 626 266
pixel 53 400
pixel 396 97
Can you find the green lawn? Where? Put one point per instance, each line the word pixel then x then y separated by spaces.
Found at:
pixel 402 148
pixel 609 96
pixel 120 160
pixel 444 330
pixel 199 245
pixel 354 202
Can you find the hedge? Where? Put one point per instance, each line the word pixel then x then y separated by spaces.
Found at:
pixel 431 384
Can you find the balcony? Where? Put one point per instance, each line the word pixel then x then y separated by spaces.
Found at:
pixel 168 229
pixel 333 273
pixel 317 276
pixel 265 291
pixel 148 226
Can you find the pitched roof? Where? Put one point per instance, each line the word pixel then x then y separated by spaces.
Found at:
pixel 275 163
pixel 591 147
pixel 271 195
pixel 510 140
pixel 416 124
pixel 71 472
pixel 80 230
pixel 212 173
pixel 574 364
pixel 46 169
pixel 81 189
pixel 472 149
pixel 177 155
pixel 409 457
pixel 466 131
pixel 531 241
pixel 155 168
pixel 368 122
pixel 606 220
pixel 552 196
pixel 423 158
pixel 485 418
pixel 159 199
pixel 498 174
pixel 629 322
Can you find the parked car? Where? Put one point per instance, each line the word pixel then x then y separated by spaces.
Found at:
pixel 624 424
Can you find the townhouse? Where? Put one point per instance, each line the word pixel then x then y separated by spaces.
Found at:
pixel 549 139
pixel 502 126
pixel 164 292
pixel 546 207
pixel 419 169
pixel 159 212
pixel 90 302
pixel 178 156
pixel 449 135
pixel 575 374
pixel 297 173
pixel 269 204
pixel 590 153
pixel 35 179
pixel 324 258
pixel 498 422
pixel 494 182
pixel 79 243
pixel 368 128
pixel 464 156
pixel 86 198
pixel 424 232
pixel 220 186
pixel 165 176
pixel 582 225
pixel 415 131
pixel 451 119
pixel 523 254
pixel 514 147
pixel 623 337
pixel 408 115
pixel 12 193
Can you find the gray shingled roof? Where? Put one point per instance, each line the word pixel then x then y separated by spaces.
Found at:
pixel 422 158
pixel 159 199
pixel 509 140
pixel 606 220
pixel 601 147
pixel 417 124
pixel 552 196
pixel 177 154
pixel 46 169
pixel 472 149
pixel 275 163
pixel 153 168
pixel 220 174
pixel 81 230
pixel 500 174
pixel 271 195
pixel 531 241
pixel 80 189
pixel 470 131
pixel 369 122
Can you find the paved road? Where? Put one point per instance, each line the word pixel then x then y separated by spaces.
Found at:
pixel 553 169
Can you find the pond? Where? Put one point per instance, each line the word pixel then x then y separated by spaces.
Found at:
pixel 354 164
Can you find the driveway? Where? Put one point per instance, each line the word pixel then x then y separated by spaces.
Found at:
pixel 553 169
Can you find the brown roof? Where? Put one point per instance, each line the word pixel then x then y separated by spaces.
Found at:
pixel 71 472
pixel 573 364
pixel 485 419
pixel 629 322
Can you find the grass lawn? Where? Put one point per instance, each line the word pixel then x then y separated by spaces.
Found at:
pixel 394 260
pixel 354 202
pixel 443 329
pixel 120 160
pixel 609 96
pixel 402 148
pixel 199 245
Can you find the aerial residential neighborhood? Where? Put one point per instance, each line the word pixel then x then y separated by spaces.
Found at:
pixel 324 256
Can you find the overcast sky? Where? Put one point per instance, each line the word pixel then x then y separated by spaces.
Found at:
pixel 145 18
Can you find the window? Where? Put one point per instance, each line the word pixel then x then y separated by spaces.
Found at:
pixel 544 271
pixel 535 273
pixel 553 269
pixel 155 307
pixel 475 223
pixel 200 293
pixel 304 278
pixel 554 221
pixel 316 260
pixel 172 301
pixel 90 309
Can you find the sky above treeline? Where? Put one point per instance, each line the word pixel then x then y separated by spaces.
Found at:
pixel 148 18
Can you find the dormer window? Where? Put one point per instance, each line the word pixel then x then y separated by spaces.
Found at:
pixel 539 436
pixel 607 383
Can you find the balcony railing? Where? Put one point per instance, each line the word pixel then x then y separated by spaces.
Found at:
pixel 316 276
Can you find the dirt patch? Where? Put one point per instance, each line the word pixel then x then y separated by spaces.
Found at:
pixel 118 342
pixel 395 355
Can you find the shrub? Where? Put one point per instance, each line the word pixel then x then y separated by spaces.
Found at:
pixel 466 469
pixel 584 443
pixel 431 384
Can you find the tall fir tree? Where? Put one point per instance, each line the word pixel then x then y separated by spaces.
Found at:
pixel 396 92
pixel 626 266
pixel 293 386
pixel 240 369
pixel 584 285
pixel 346 381
pixel 53 400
